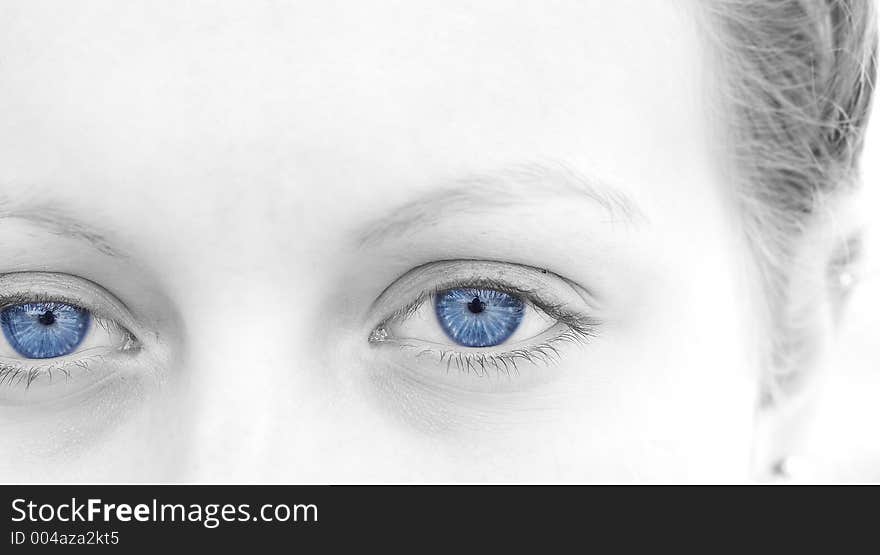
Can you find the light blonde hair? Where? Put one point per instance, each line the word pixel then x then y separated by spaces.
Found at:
pixel 798 80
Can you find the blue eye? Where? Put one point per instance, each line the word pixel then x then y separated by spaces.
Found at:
pixel 44 329
pixel 478 317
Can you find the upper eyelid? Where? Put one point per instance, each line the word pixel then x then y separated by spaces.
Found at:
pixel 51 286
pixel 564 292
pixel 409 309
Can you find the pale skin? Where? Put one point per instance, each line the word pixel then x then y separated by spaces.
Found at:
pixel 248 178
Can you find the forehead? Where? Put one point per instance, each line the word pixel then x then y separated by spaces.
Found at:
pixel 173 93
pixel 236 66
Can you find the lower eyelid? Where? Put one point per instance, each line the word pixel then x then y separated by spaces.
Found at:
pixel 430 381
pixel 33 380
pixel 526 362
pixel 85 374
pixel 33 384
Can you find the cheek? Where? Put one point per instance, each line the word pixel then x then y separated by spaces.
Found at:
pixel 691 386
pixel 102 434
pixel 673 401
pixel 672 383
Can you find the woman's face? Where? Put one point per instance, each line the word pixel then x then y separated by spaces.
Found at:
pixel 265 206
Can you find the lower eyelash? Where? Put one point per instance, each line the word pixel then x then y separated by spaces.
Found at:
pixel 13 375
pixel 503 363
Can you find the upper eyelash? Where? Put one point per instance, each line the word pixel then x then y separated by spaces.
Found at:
pixel 12 299
pixel 555 310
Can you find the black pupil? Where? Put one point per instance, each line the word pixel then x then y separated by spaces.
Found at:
pixel 476 306
pixel 47 318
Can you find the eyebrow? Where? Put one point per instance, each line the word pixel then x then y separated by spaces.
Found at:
pixel 477 192
pixel 60 223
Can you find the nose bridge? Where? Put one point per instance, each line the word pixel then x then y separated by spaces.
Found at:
pixel 248 299
pixel 223 351
pixel 241 330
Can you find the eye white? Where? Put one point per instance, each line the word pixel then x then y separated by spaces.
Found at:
pixel 102 335
pixel 423 325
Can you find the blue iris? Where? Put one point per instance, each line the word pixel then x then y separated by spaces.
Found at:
pixel 478 317
pixel 44 330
